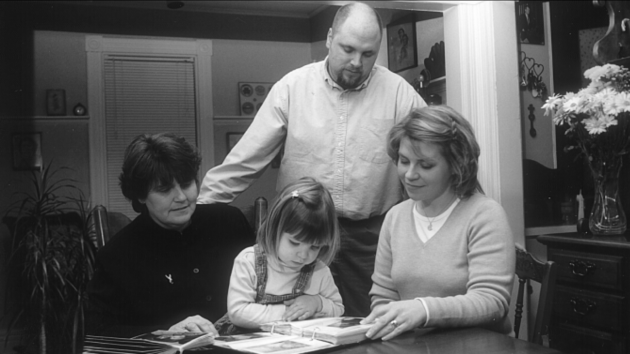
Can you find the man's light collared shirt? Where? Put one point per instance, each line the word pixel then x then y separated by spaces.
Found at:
pixel 336 136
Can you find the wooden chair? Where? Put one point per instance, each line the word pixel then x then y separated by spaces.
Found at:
pixel 530 268
pixel 255 213
pixel 103 224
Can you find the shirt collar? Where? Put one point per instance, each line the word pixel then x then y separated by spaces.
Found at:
pixel 279 267
pixel 158 232
pixel 326 76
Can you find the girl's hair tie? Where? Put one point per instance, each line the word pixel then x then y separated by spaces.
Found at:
pixel 295 194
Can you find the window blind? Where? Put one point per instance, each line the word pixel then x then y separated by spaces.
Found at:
pixel 144 94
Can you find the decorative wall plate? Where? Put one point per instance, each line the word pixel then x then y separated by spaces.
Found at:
pixel 252 95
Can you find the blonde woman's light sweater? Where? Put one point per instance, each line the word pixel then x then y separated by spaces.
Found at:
pixel 464 273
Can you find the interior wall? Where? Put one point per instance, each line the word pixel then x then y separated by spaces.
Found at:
pixel 59 63
pixel 541 147
pixel 250 61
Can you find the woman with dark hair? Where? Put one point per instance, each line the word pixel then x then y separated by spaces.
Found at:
pixel 170 267
pixel 445 256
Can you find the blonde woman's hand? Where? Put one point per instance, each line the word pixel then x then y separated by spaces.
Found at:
pixel 395 318
pixel 194 324
pixel 302 307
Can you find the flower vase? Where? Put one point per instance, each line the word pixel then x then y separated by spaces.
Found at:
pixel 607 215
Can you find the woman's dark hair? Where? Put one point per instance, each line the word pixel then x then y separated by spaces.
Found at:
pixel 454 135
pixel 156 162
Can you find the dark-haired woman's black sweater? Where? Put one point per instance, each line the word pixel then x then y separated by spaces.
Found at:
pixel 149 278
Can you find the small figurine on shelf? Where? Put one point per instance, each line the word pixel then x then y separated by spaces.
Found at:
pixel 566 209
pixel 421 82
pixel 582 227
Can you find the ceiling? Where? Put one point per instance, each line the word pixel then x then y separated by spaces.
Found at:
pixel 299 9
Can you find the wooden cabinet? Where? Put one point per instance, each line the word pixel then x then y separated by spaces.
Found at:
pixel 591 308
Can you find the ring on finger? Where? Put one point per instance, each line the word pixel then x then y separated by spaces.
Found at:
pixel 394 323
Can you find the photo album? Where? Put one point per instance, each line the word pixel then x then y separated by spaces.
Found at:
pixel 278 337
pixel 298 336
pixel 157 342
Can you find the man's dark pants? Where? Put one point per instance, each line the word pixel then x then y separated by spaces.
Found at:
pixel 354 264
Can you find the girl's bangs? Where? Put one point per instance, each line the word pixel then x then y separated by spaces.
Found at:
pixel 308 226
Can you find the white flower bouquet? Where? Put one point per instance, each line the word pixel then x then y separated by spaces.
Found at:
pixel 597 116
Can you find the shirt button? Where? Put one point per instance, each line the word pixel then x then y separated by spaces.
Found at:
pixel 196 270
pixel 209 298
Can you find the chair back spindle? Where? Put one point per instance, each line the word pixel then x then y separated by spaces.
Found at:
pixel 103 225
pixel 260 213
pixel 530 268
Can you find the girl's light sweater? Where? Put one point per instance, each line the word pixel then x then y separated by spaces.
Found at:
pixel 464 273
pixel 243 310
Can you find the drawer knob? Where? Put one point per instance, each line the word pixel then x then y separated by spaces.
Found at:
pixel 582 306
pixel 581 268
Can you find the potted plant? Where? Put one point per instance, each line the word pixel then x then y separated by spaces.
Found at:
pixel 52 254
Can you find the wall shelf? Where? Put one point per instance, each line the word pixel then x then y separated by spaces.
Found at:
pixel 234 117
pixel 551 229
pixel 45 117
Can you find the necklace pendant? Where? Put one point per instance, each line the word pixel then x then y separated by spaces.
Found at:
pixel 430 227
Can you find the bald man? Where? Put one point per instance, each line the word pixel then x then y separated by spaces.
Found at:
pixel 331 118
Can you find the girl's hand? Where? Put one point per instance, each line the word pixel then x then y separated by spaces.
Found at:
pixel 194 324
pixel 302 307
pixel 395 318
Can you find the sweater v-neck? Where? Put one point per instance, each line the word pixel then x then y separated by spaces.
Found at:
pixel 438 232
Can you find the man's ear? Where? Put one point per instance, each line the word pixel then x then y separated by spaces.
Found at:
pixel 329 38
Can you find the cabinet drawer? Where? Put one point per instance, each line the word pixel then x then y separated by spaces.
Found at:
pixel 591 308
pixel 603 271
pixel 573 339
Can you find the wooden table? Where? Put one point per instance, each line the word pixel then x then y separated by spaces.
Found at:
pixel 452 341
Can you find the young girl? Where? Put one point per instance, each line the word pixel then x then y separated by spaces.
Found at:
pixel 285 276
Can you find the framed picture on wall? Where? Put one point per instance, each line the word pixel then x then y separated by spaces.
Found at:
pixel 232 139
pixel 232 131
pixel 530 22
pixel 56 102
pixel 27 151
pixel 401 45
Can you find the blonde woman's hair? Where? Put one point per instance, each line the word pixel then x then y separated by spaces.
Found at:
pixel 305 210
pixel 445 127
